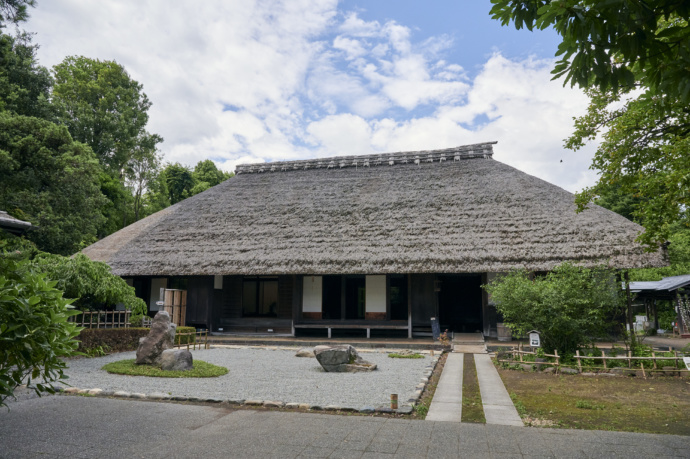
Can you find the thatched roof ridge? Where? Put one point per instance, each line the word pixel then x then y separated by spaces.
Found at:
pixel 470 215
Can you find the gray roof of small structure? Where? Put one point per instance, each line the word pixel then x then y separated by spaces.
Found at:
pixel 667 284
pixel 443 211
pixel 11 224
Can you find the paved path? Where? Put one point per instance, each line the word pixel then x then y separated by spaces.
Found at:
pixel 447 402
pixel 82 427
pixel 498 407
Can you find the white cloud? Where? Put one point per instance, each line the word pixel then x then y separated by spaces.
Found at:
pixel 267 80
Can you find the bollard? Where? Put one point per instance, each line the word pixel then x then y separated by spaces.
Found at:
pixel 432 352
pixel 394 401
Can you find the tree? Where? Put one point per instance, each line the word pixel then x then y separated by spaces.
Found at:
pixel 90 283
pixel 142 168
pixel 14 11
pixel 611 48
pixel 613 44
pixel 179 181
pixel 24 85
pixel 569 305
pixel 644 155
pixel 35 335
pixel 102 107
pixel 51 181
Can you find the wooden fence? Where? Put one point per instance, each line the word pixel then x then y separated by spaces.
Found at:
pixel 200 338
pixel 519 352
pixel 102 319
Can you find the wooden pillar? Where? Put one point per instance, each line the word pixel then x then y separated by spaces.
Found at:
pixel 409 305
pixel 629 302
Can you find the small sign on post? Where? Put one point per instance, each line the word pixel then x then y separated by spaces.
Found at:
pixel 160 303
pixel 534 339
pixel 686 360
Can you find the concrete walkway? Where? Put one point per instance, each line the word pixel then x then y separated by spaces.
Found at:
pixel 447 402
pixel 84 427
pixel 498 407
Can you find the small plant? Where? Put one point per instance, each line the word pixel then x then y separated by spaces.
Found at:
pixel 444 339
pixel 422 410
pixel 587 405
pixel 519 406
pixel 394 355
pixel 98 351
pixel 136 320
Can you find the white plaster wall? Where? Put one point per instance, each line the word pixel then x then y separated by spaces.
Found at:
pixel 312 294
pixel 376 294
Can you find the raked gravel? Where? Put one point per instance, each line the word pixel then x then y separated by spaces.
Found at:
pixel 265 374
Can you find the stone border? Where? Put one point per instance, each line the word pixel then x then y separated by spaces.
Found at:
pixel 367 409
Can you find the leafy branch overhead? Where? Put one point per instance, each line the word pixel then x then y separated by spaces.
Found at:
pixel 613 44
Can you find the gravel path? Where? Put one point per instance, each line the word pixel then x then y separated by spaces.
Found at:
pixel 266 374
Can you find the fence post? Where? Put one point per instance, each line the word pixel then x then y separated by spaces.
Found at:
pixel 603 357
pixel 654 359
pixel 675 362
pixel 558 362
pixel 629 359
pixel 579 362
pixel 520 349
pixel 642 366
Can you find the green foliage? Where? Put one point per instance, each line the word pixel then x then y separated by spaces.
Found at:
pixel 142 169
pixel 14 11
pixel 183 340
pixel 179 181
pixel 207 172
pixel 90 282
pixel 34 332
pixel 613 44
pixel 569 306
pixel 395 355
pixel 110 339
pixel 201 370
pixel 24 85
pixel 51 181
pixel 643 157
pixel 102 107
pixel 587 405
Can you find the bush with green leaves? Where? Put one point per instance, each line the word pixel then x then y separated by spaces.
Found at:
pixel 35 334
pixel 569 306
pixel 91 283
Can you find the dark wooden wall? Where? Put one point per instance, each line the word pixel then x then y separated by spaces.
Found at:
pixel 285 292
pixel 423 298
pixel 231 307
pixel 199 300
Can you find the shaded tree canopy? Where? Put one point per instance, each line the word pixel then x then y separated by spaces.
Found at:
pixel 51 181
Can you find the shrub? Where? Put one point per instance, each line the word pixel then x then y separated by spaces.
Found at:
pixel 112 339
pixel 34 332
pixel 182 340
pixel 569 305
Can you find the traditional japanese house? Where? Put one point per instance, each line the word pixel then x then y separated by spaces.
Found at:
pixel 380 242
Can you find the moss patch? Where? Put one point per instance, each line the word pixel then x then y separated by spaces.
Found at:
pixel 394 355
pixel 201 370
pixel 472 408
pixel 422 407
pixel 654 405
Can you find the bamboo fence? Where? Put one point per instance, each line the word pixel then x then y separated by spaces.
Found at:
pixel 102 319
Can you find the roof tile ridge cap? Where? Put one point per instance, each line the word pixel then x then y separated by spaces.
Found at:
pixel 454 153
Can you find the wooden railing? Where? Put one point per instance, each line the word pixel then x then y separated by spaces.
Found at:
pixel 102 319
pixel 200 338
pixel 633 361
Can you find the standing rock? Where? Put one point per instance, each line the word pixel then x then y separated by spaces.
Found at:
pixel 176 360
pixel 341 359
pixel 160 338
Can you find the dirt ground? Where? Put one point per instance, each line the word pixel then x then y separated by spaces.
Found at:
pixel 653 405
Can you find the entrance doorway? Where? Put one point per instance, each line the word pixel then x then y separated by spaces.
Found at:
pixel 460 302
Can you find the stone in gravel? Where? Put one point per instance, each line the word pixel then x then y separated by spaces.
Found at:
pixel 176 360
pixel 138 395
pixel 332 408
pixel 304 406
pixel 72 390
pixel 306 352
pixel 254 402
pixel 292 406
pixel 212 400
pixel 122 393
pixel 384 409
pixel 316 408
pixel 367 409
pixel 179 398
pixel 341 359
pixel 234 401
pixel 83 391
pixel 348 408
pixel 404 410
pixel 95 392
pixel 273 404
pixel 588 374
pixel 568 371
pixel 159 396
pixel 549 370
pixel 160 338
pixel 107 393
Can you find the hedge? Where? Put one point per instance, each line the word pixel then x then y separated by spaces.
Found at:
pixel 111 339
pixel 185 339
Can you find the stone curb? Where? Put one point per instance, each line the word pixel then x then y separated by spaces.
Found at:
pixel 159 396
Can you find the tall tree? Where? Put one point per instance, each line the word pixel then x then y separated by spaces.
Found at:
pixel 102 106
pixel 14 11
pixel 206 175
pixel 51 181
pixel 142 168
pixel 612 48
pixel 179 181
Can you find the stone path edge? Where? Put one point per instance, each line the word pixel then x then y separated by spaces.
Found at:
pixel 405 408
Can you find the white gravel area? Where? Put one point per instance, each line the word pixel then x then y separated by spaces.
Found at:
pixel 266 374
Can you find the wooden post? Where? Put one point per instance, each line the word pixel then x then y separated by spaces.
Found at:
pixel 579 362
pixel 90 319
pixel 643 374
pixel 675 353
pixel 603 357
pixel 98 318
pixel 629 359
pixel 520 348
pixel 558 360
pixel 629 302
pixel 654 359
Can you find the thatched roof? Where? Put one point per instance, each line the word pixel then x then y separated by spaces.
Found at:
pixel 444 211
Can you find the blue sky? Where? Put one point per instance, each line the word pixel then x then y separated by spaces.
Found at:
pixel 270 80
